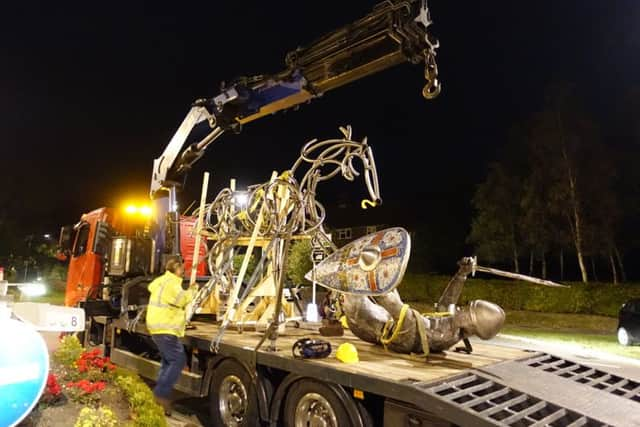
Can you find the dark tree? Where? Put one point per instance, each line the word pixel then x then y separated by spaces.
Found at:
pixel 494 229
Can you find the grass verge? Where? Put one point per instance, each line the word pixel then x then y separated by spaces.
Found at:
pixel 600 342
pixel 52 297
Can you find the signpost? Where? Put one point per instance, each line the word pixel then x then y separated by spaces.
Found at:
pixel 24 366
pixel 24 358
pixel 318 254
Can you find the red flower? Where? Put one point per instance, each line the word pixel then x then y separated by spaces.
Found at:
pixel 53 387
pixel 88 387
pixel 91 360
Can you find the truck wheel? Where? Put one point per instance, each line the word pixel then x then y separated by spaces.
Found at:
pixel 365 415
pixel 311 403
pixel 233 398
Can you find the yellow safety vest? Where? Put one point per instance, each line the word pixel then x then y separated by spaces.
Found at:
pixel 166 310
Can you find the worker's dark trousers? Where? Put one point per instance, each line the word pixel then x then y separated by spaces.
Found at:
pixel 173 360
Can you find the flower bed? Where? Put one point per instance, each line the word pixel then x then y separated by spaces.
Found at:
pixel 85 389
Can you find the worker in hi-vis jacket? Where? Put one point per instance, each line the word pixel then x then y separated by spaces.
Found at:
pixel 166 321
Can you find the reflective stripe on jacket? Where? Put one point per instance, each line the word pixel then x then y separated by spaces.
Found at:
pixel 166 310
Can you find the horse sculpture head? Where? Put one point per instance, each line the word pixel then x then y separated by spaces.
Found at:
pixel 326 159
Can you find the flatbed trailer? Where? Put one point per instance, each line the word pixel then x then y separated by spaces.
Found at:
pixel 494 385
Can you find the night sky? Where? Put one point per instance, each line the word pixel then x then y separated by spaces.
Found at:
pixel 92 93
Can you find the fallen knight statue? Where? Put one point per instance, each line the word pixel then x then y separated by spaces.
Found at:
pixel 366 273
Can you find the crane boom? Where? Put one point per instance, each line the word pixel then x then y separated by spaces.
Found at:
pixel 396 31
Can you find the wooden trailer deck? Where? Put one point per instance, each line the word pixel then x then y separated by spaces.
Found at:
pixel 375 361
pixel 494 385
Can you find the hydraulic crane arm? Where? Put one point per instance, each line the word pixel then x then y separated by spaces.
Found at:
pixel 394 32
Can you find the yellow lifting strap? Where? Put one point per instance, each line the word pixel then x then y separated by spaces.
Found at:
pixel 385 339
pixel 396 330
pixel 436 313
pixel 285 175
pixel 422 331
pixel 256 200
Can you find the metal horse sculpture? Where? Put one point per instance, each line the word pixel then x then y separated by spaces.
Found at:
pixel 277 211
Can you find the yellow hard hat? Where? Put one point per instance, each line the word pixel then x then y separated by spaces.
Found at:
pixel 347 353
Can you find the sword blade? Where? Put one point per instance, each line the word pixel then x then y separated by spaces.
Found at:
pixel 519 277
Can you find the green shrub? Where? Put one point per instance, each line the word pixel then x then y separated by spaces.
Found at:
pixel 149 417
pixel 69 351
pixel 147 413
pixel 593 298
pixel 422 287
pixel 100 417
pixel 299 261
pixel 56 277
pixel 253 262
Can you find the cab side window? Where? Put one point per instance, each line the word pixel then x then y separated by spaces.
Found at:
pixel 82 240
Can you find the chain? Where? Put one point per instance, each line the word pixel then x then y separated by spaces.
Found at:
pixel 432 88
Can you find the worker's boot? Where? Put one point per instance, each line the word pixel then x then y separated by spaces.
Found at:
pixel 165 403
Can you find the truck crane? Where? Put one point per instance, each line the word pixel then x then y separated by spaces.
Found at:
pixel 393 33
pixel 113 254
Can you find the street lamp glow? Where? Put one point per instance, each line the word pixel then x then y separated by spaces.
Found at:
pixel 241 198
pixel 33 289
pixel 131 209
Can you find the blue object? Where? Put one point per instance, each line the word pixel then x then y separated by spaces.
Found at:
pixel 24 367
pixel 272 91
pixel 173 360
pixel 306 348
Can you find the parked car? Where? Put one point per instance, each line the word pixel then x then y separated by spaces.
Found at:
pixel 629 322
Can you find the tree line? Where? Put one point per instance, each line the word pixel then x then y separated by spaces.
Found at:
pixel 558 191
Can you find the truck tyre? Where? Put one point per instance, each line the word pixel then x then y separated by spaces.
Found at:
pixel 232 396
pixel 365 415
pixel 310 403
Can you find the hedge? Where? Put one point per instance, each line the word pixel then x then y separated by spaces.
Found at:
pixel 593 298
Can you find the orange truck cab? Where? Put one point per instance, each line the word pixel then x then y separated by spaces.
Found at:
pixel 109 248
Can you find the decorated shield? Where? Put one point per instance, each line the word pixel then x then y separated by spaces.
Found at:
pixel 371 265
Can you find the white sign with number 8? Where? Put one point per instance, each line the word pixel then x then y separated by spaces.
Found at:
pixel 47 317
